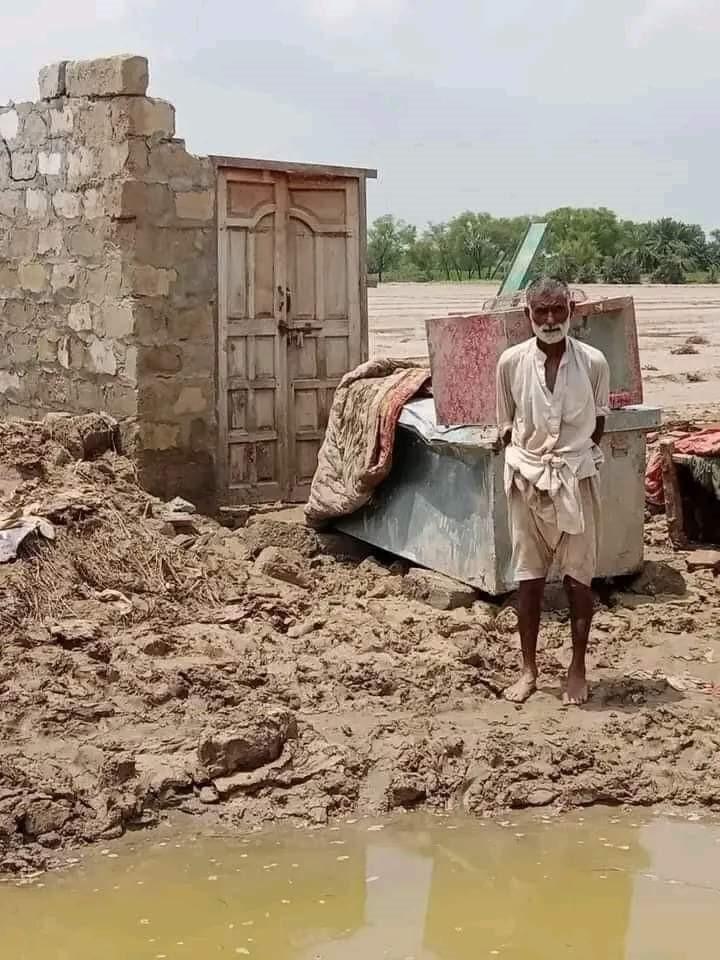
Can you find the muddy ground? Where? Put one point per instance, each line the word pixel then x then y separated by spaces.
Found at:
pixel 153 660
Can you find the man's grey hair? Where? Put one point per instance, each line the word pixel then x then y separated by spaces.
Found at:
pixel 547 286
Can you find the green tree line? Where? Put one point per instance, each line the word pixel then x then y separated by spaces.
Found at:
pixel 582 245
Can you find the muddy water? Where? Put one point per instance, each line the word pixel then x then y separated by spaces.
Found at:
pixel 598 887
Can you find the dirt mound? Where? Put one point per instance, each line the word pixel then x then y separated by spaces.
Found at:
pixel 153 659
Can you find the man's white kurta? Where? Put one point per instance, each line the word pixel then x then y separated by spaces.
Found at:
pixel 551 451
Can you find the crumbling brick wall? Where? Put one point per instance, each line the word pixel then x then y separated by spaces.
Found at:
pixel 108 277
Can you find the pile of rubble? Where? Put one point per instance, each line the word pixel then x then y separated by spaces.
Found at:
pixel 153 659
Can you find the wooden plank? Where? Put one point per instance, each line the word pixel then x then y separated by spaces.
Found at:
pixel 673 498
pixel 281 318
pixel 362 270
pixel 353 281
pixel 282 166
pixel 222 340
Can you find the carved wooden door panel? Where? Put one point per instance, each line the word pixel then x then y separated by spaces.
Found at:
pixel 289 324
pixel 251 357
pixel 323 312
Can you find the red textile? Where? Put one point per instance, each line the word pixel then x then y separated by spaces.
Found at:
pixel 703 443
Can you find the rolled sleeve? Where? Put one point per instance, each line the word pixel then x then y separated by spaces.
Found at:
pixel 505 405
pixel 601 387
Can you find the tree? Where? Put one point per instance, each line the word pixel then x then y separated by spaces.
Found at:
pixel 598 225
pixel 576 260
pixel 388 241
pixel 622 268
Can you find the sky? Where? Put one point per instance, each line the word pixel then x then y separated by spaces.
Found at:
pixel 508 106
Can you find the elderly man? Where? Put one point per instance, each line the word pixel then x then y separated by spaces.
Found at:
pixel 552 399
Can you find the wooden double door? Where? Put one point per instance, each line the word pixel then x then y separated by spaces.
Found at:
pixel 292 319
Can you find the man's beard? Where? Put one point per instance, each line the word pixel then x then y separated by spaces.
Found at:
pixel 551 336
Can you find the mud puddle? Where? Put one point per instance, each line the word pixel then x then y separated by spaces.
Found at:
pixel 416 888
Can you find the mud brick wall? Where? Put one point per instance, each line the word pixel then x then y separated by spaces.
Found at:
pixel 108 268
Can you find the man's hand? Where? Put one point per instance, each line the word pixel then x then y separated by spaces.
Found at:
pixel 599 431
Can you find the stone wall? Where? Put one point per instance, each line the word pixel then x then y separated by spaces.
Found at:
pixel 108 278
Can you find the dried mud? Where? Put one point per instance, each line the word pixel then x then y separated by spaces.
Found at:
pixel 154 660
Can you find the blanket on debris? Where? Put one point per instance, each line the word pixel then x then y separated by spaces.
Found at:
pixel 356 454
pixel 703 443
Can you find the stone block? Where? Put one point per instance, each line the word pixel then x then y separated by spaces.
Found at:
pixel 47 349
pixel 165 359
pixel 35 128
pixel 147 281
pixel 11 201
pixel 160 436
pixel 156 395
pixel 133 199
pixel 93 204
pixel 50 164
pixel 437 590
pixel 9 381
pixel 190 323
pixel 129 365
pixel 36 203
pixel 83 242
pixel 704 560
pixel 9 124
pixel 284 564
pixel 33 277
pixel 20 348
pixel 21 243
pixel 65 277
pixel 658 578
pixel 9 279
pixel 62 121
pixel 50 240
pixel 191 400
pixel 142 117
pixel 82 165
pixel 170 161
pixel 197 205
pixel 19 314
pixel 198 358
pixel 51 81
pixel 118 319
pixel 120 401
pixel 24 165
pixel 103 282
pixel 67 205
pixel 80 317
pixel 102 357
pixel 111 77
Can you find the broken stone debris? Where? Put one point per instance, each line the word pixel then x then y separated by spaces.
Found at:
pixel 437 590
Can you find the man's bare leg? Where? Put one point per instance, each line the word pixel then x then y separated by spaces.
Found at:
pixel 530 594
pixel 581 611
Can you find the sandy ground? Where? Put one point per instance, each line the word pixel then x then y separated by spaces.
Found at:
pixel 666 317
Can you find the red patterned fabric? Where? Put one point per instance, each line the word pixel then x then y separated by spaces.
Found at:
pixel 703 443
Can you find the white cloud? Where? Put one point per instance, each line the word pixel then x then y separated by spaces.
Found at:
pixel 340 11
pixel 658 16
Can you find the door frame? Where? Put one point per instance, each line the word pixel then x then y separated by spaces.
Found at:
pixel 224 169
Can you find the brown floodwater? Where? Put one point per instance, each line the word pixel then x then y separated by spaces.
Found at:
pixel 595 886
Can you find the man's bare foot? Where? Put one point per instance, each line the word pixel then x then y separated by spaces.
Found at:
pixel 523 688
pixel 576 691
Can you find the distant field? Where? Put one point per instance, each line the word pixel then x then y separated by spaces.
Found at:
pixel 666 316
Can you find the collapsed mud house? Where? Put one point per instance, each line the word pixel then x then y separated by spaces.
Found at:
pixel 210 304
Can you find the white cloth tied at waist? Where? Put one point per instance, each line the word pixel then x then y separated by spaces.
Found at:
pixel 550 483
